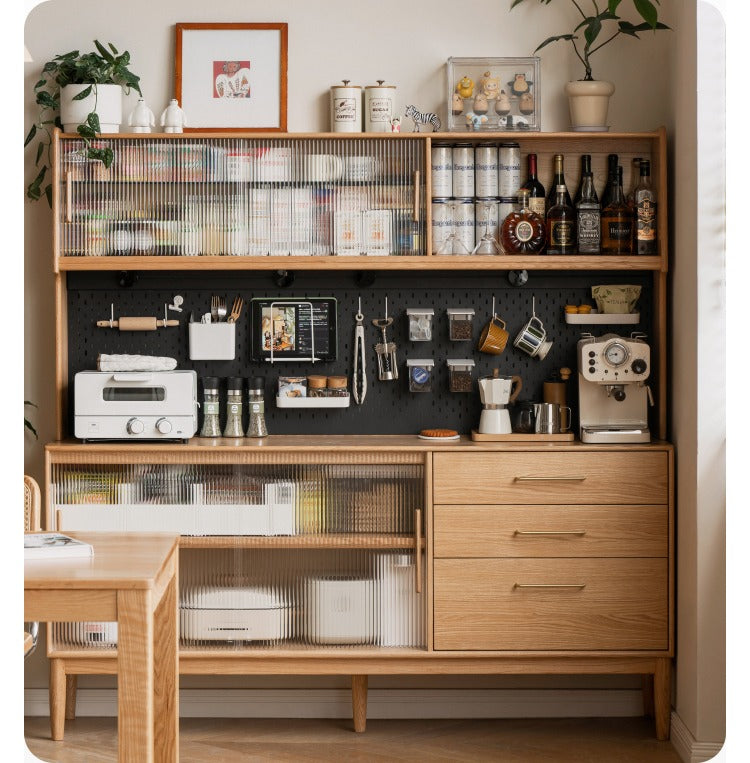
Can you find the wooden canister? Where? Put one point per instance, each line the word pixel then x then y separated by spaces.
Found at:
pixel 346 108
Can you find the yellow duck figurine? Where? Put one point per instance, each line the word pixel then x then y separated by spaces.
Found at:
pixel 465 87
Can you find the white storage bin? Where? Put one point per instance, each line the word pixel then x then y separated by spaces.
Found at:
pixel 340 611
pixel 212 341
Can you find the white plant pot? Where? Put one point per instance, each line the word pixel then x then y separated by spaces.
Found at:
pixel 589 101
pixel 106 100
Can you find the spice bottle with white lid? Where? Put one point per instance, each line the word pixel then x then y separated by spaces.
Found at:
pixel 256 405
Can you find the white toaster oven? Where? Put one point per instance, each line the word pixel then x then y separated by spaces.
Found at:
pixel 151 405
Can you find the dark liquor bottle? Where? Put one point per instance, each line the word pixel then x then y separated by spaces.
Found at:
pixel 585 170
pixel 537 200
pixel 644 201
pixel 561 224
pixel 588 217
pixel 617 223
pixel 523 232
pixel 609 189
pixel 558 179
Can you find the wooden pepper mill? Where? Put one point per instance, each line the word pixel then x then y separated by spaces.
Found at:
pixel 555 388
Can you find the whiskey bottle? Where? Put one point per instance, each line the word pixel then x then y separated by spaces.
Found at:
pixel 537 200
pixel 644 201
pixel 561 224
pixel 617 223
pixel 523 232
pixel 588 217
pixel 559 179
pixel 609 189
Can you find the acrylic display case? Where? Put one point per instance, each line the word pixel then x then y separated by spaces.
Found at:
pixel 494 94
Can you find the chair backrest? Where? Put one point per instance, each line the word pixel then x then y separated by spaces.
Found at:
pixel 32 504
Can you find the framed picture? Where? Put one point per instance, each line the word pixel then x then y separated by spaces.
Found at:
pixel 232 77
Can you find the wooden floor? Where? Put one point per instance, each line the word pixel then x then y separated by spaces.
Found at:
pixel 600 740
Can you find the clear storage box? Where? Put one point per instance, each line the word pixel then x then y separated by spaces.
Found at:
pixel 460 374
pixel 460 323
pixel 420 374
pixel 420 323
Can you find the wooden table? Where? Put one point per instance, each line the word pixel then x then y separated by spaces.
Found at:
pixel 131 579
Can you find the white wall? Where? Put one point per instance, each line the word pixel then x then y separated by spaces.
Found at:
pixel 405 43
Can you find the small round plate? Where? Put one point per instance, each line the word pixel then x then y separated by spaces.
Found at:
pixel 451 437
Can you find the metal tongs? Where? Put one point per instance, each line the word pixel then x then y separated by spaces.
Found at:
pixel 359 376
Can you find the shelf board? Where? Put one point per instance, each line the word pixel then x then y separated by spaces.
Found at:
pixel 332 540
pixel 428 262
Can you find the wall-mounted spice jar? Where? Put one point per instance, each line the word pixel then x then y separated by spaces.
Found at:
pixel 460 374
pixel 420 374
pixel 460 323
pixel 316 386
pixel 257 407
pixel 211 427
pixel 336 386
pixel 420 323
pixel 233 427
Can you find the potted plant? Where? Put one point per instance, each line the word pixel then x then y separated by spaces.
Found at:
pixel 589 98
pixel 79 92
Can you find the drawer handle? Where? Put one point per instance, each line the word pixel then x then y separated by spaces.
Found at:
pixel 549 479
pixel 418 550
pixel 580 586
pixel 550 532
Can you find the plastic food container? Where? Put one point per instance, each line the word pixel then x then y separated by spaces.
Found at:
pixel 460 323
pixel 460 374
pixel 420 374
pixel 420 323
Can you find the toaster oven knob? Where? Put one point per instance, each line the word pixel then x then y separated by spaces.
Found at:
pixel 164 426
pixel 134 426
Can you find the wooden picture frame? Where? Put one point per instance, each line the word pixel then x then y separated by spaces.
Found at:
pixel 232 77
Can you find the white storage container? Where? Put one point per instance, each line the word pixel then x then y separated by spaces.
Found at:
pixel 212 341
pixel 340 611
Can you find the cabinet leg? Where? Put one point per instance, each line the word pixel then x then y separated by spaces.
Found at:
pixel 57 699
pixel 359 702
pixel 71 692
pixel 663 697
pixel 647 689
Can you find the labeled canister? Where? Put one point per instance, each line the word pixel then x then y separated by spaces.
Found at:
pixel 463 226
pixel 486 224
pixel 485 171
pixel 442 170
pixel 442 226
pixel 380 107
pixel 508 169
pixel 463 171
pixel 346 108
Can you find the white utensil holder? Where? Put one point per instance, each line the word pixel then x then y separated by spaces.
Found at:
pixel 212 341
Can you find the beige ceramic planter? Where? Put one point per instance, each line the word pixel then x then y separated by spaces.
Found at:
pixel 106 98
pixel 589 101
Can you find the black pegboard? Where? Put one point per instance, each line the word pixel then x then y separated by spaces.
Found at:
pixel 389 407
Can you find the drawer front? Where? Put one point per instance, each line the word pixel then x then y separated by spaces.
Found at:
pixel 565 477
pixel 511 604
pixel 539 531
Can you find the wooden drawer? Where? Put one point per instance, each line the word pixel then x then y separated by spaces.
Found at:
pixel 562 477
pixel 538 531
pixel 479 605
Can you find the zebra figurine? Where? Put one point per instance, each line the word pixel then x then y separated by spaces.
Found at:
pixel 421 118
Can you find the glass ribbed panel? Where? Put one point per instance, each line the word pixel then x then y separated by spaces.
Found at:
pixel 243 197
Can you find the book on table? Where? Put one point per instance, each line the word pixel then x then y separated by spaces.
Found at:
pixel 54 546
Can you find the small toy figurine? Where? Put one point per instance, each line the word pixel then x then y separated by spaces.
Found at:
pixel 502 104
pixel 475 120
pixel 457 104
pixel 490 85
pixel 520 85
pixel 481 105
pixel 465 87
pixel 423 118
pixel 173 117
pixel 396 124
pixel 141 118
pixel 526 103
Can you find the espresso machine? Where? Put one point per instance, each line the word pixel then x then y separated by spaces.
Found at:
pixel 496 392
pixel 613 397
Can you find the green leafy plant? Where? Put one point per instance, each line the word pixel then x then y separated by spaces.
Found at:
pixel 26 423
pixel 604 22
pixel 104 67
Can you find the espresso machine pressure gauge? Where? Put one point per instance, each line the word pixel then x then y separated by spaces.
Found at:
pixel 616 354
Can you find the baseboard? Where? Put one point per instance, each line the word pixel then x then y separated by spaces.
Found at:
pixel 381 703
pixel 686 745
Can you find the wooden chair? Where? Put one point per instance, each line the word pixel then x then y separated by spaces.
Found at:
pixel 32 510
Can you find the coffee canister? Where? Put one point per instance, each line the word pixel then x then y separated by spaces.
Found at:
pixel 442 226
pixel 442 170
pixel 463 226
pixel 508 169
pixel 463 171
pixel 380 107
pixel 346 108
pixel 485 170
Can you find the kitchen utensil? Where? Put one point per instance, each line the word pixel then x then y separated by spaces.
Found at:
pixel 385 350
pixel 236 310
pixel 221 309
pixel 359 375
pixel 496 392
pixel 494 337
pixel 548 418
pixel 214 309
pixel 132 323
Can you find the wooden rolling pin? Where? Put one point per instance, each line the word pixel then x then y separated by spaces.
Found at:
pixel 137 324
